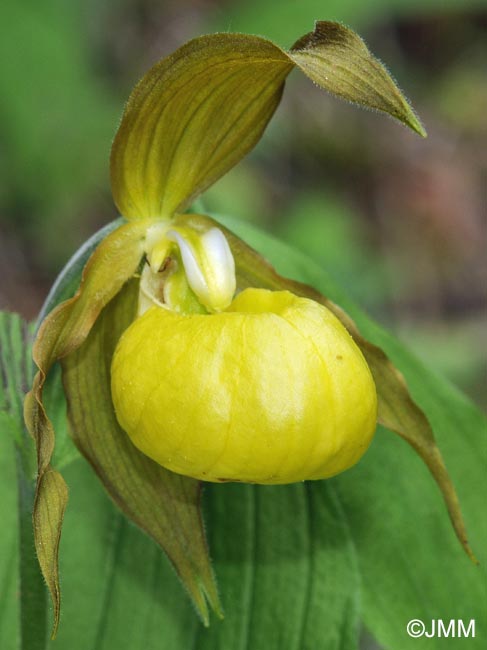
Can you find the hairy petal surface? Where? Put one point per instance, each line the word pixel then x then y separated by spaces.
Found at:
pixel 338 60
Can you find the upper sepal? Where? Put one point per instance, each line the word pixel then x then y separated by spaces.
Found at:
pixel 199 111
pixel 192 117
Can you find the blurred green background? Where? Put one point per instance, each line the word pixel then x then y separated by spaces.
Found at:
pixel 399 221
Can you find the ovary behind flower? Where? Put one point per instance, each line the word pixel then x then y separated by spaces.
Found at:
pixel 272 390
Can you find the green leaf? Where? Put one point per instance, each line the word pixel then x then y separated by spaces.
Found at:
pixel 15 364
pixel 286 568
pixel 21 618
pixel 9 547
pixel 197 112
pixel 411 564
pixel 163 504
pixel 284 557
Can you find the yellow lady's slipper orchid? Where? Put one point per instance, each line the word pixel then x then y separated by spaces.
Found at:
pixel 263 387
pixel 272 390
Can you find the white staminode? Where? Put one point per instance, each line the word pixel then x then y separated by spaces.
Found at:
pixel 209 266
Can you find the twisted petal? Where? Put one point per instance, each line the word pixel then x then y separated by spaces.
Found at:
pixel 66 327
pixel 196 113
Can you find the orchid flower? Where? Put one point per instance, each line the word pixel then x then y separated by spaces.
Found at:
pixel 185 356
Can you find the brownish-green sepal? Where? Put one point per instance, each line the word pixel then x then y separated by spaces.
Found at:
pixel 338 60
pixel 165 505
pixel 192 117
pixel 196 113
pixel 397 410
pixel 62 331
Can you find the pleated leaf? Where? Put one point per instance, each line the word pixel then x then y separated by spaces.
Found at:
pixel 163 504
pixel 285 561
pixel 199 111
pixel 16 367
pixel 22 583
pixel 286 567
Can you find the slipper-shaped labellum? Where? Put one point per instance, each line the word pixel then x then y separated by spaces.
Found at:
pixel 271 390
